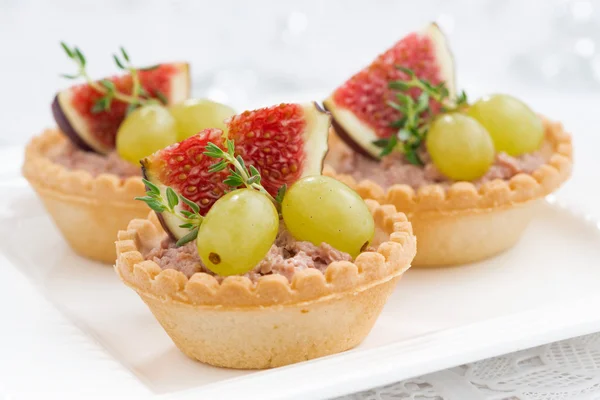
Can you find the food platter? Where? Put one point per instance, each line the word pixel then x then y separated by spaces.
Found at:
pixel 72 324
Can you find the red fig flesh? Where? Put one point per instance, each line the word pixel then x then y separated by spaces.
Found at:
pixel 284 142
pixel 359 107
pixel 72 108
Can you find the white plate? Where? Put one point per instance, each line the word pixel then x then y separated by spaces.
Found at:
pixel 544 289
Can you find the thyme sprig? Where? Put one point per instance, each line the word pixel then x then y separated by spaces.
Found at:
pixel 138 97
pixel 169 202
pixel 417 115
pixel 239 175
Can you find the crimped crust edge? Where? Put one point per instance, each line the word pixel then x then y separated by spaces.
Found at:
pixel 465 195
pixel 45 174
pixel 392 258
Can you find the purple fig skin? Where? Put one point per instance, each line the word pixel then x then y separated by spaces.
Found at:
pixel 341 132
pixel 65 126
pixel 161 219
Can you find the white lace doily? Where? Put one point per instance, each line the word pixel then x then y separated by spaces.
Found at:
pixel 567 370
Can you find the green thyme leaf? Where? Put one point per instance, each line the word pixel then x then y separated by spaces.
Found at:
pixel 193 206
pixel 423 102
pixel 213 151
pixel 143 92
pixel 102 104
pixel 399 123
pixel 407 71
pixel 151 187
pixel 399 85
pixel 187 214
pixel 220 166
pixel 253 170
pixel 396 106
pixel 253 179
pixel 156 206
pixel 118 62
pixel 412 157
pixel 230 147
pixel 125 55
pixel 109 85
pixel 187 225
pixel 381 143
pixel 391 145
pixel 80 57
pixel 172 198
pixel 67 76
pixel 161 96
pixel 67 49
pixel 144 198
pixel 233 181
pixel 281 193
pixel 192 235
pixel 242 163
pixel 150 68
pixel 131 108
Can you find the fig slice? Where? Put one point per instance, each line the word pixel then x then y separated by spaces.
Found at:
pixel 72 108
pixel 284 143
pixel 359 107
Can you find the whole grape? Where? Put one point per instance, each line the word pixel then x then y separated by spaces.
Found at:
pixel 319 209
pixel 194 115
pixel 237 232
pixel 514 127
pixel 144 131
pixel 460 147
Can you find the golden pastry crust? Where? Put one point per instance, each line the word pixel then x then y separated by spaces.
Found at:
pixel 462 223
pixel 392 258
pixel 465 195
pixel 272 322
pixel 89 211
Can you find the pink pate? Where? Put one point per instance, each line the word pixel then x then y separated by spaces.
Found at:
pixel 71 157
pixel 395 169
pixel 286 256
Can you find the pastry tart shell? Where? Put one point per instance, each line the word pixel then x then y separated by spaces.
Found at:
pixel 462 223
pixel 88 211
pixel 237 323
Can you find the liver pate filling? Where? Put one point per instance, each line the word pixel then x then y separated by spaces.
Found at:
pixel 71 157
pixel 394 169
pixel 286 256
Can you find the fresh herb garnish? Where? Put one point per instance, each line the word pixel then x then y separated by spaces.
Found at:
pixel 239 175
pixel 417 114
pixel 138 96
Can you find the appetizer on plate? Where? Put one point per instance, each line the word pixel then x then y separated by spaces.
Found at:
pixel 251 258
pixel 468 175
pixel 86 171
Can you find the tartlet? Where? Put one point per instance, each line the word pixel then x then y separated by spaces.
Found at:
pixel 461 223
pixel 273 322
pixel 88 210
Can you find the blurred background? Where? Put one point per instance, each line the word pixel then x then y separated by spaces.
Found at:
pixel 250 53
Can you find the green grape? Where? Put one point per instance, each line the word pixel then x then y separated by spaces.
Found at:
pixel 460 147
pixel 514 127
pixel 194 115
pixel 144 131
pixel 237 232
pixel 320 209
